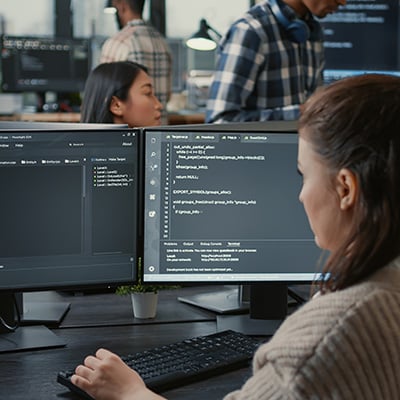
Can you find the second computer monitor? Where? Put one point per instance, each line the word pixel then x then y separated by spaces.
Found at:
pixel 221 205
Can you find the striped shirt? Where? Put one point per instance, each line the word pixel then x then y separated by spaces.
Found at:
pixel 261 74
pixel 142 43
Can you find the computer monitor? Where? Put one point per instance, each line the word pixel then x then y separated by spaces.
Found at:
pixel 43 64
pixel 362 37
pixel 221 206
pixel 69 213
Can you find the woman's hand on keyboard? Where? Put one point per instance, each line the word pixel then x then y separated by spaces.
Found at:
pixel 105 376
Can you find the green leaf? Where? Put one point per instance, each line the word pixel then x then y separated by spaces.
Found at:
pixel 141 287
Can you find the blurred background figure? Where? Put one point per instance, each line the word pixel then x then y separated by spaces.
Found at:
pixel 140 42
pixel 120 93
pixel 269 61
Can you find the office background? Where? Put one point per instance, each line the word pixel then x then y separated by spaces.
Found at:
pixel 182 16
pixel 347 51
pixel 176 19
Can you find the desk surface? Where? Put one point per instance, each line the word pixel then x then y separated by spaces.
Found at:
pixel 109 323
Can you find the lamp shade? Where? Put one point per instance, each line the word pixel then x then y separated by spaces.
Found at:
pixel 202 40
pixel 109 8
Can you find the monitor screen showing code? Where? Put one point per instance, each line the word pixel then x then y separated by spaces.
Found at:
pixel 224 205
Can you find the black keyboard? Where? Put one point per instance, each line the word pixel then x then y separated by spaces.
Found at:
pixel 190 360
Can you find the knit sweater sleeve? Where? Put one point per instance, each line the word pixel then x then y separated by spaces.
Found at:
pixel 338 346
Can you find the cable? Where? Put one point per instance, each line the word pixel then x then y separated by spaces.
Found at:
pixel 10 328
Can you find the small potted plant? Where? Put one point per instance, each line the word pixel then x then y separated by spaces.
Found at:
pixel 144 296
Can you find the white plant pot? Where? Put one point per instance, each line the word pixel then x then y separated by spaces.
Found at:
pixel 144 305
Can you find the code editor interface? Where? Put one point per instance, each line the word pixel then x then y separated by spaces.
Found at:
pixel 224 205
pixel 68 206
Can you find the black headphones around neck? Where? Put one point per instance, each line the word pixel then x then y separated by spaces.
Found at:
pixel 297 29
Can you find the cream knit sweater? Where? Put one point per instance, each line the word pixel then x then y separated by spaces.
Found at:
pixel 342 345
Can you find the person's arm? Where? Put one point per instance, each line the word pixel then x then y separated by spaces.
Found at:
pixel 106 377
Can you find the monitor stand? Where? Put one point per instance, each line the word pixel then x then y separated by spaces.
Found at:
pixel 256 309
pixel 232 301
pixel 268 309
pixel 17 338
pixel 29 338
pixel 247 325
pixel 49 313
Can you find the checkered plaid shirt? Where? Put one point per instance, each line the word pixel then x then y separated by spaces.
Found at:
pixel 142 43
pixel 262 75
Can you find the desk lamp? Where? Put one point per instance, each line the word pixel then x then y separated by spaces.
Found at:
pixel 201 40
pixel 109 8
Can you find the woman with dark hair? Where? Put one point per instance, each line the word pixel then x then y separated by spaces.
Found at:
pixel 345 342
pixel 120 93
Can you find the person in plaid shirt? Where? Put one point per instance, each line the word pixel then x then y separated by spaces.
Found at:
pixel 140 42
pixel 269 61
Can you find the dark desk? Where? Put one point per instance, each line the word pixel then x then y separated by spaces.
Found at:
pixel 105 320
